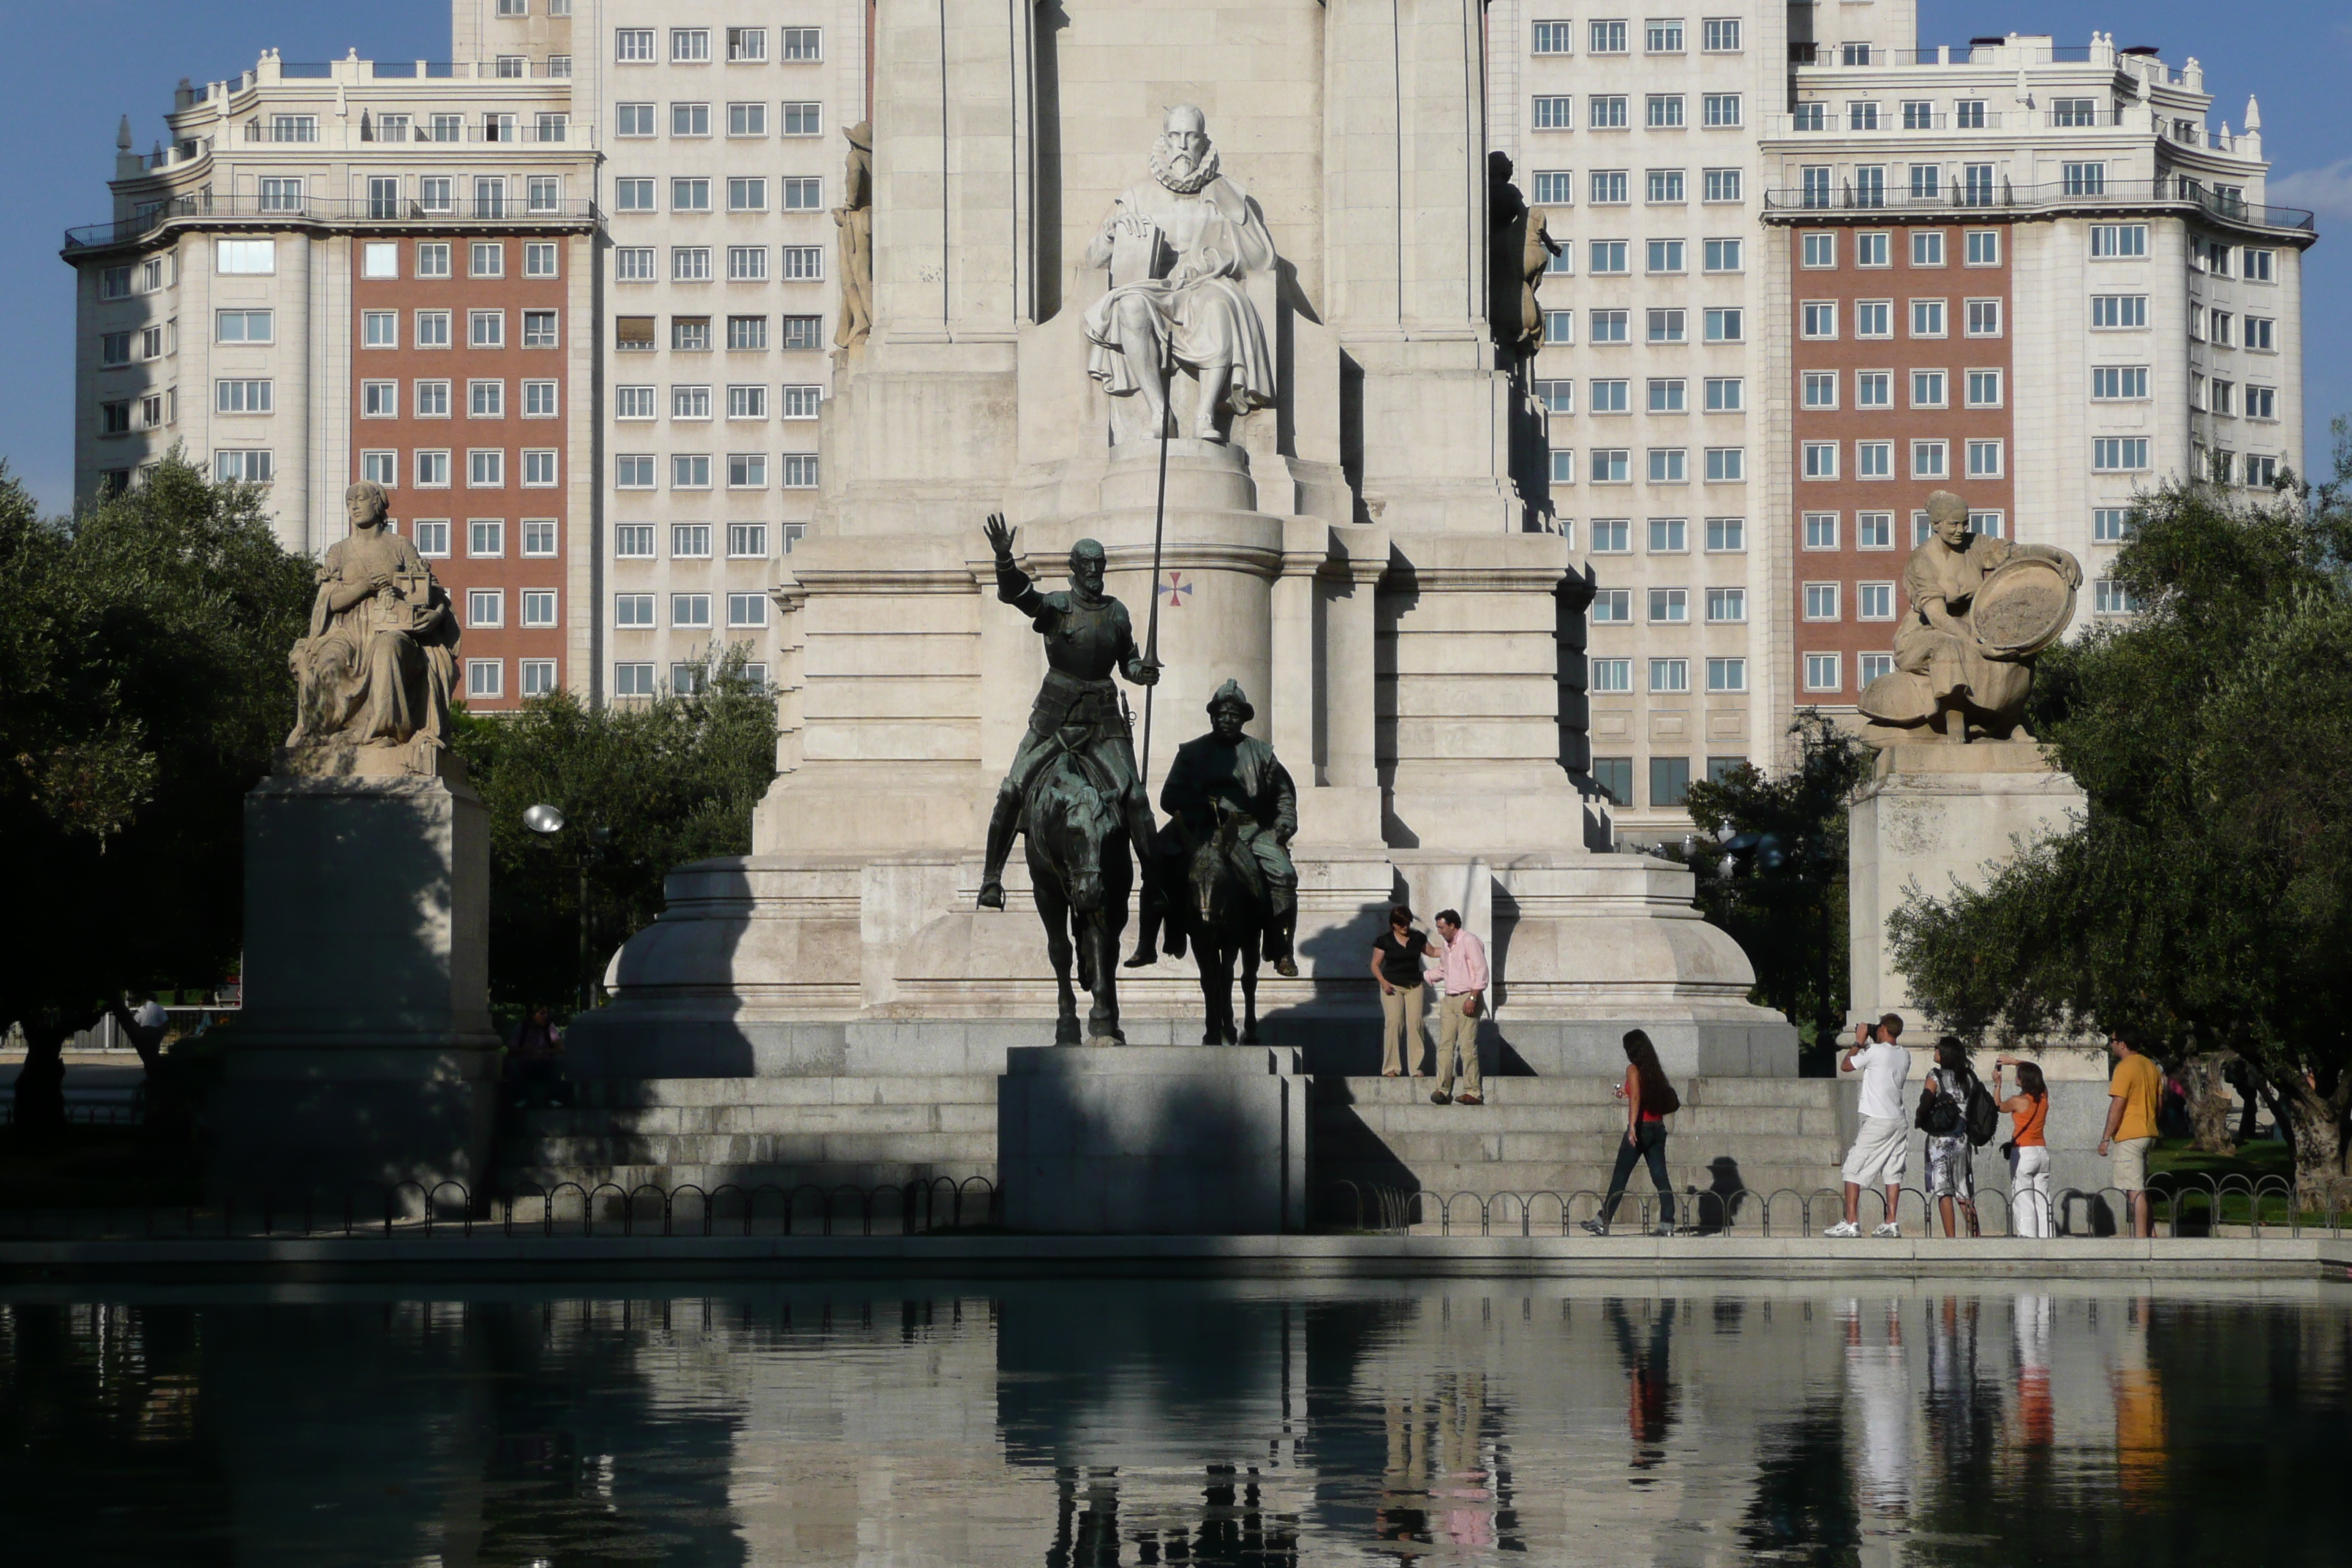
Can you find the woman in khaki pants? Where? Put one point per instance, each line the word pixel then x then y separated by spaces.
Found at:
pixel 1396 965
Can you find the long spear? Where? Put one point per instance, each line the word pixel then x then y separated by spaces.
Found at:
pixel 1159 526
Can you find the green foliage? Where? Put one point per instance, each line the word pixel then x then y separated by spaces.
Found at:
pixel 1779 886
pixel 142 655
pixel 666 782
pixel 2205 905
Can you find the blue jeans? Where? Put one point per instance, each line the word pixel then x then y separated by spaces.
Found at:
pixel 1650 1144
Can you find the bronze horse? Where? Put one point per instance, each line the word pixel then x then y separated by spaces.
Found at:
pixel 1224 917
pixel 1077 844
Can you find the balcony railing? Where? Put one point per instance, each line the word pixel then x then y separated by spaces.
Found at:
pixel 1844 197
pixel 281 210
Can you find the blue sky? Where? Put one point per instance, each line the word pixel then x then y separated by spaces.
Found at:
pixel 76 66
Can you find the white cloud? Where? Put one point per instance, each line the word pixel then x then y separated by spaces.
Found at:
pixel 2327 191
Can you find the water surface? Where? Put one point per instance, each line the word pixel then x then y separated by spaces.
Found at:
pixel 1073 1424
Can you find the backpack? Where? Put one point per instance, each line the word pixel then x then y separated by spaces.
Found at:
pixel 1984 1116
pixel 1939 1114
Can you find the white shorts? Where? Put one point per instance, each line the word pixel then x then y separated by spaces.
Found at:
pixel 1879 1154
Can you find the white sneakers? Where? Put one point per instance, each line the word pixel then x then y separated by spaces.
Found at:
pixel 1890 1230
pixel 1847 1227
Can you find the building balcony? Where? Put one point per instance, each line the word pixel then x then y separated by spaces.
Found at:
pixel 201 211
pixel 1960 202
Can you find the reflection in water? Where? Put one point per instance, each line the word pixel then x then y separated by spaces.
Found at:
pixel 1079 1424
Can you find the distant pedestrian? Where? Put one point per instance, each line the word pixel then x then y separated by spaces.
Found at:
pixel 2028 1150
pixel 1650 1098
pixel 2132 1095
pixel 1944 1117
pixel 1461 977
pixel 1396 965
pixel 1881 1147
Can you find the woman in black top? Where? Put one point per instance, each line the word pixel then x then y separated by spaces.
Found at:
pixel 1397 965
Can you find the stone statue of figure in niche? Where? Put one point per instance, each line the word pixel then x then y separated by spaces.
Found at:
pixel 381 660
pixel 854 217
pixel 1979 609
pixel 1180 247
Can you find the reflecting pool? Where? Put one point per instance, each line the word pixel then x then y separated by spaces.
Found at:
pixel 1072 1424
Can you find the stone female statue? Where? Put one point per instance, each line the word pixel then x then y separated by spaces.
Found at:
pixel 381 660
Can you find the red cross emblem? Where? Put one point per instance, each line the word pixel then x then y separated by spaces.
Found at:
pixel 1175 590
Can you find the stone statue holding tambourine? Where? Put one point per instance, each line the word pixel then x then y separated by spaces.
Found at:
pixel 1979 609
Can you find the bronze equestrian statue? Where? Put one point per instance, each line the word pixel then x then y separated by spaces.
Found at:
pixel 1074 789
pixel 1224 861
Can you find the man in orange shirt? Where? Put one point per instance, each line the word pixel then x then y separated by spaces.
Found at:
pixel 2132 1096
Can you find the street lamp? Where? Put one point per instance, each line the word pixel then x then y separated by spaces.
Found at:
pixel 547 822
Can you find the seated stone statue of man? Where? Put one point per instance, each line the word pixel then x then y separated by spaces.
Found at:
pixel 1087 635
pixel 1944 674
pixel 381 660
pixel 1179 248
pixel 1228 768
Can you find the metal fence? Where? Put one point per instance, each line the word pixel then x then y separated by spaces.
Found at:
pixel 414 1209
pixel 2179 1206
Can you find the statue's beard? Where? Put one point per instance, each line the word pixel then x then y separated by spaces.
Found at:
pixel 1179 174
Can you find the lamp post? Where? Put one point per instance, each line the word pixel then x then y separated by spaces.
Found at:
pixel 548 821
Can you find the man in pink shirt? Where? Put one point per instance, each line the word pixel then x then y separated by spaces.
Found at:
pixel 1461 975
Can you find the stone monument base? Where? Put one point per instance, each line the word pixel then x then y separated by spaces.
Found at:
pixel 1933 814
pixel 364 1058
pixel 1158 1140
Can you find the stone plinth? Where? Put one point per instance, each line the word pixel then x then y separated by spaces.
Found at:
pixel 1166 1140
pixel 1935 814
pixel 364 1056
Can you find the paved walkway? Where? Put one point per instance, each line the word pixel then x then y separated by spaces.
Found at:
pixel 451 1256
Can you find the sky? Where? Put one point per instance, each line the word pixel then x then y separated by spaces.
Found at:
pixel 75 66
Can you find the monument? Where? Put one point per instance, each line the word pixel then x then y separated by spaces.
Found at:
pixel 1958 780
pixel 1260 290
pixel 364 1055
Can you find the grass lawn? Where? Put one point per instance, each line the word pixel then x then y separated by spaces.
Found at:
pixel 2264 1161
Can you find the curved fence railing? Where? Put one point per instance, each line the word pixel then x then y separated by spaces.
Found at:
pixel 2181 1206
pixel 566 1209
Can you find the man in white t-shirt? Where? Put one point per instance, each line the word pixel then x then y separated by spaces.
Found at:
pixel 1884 1144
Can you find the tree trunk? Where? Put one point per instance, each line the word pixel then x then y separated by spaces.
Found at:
pixel 2209 1105
pixel 41 1081
pixel 2315 1121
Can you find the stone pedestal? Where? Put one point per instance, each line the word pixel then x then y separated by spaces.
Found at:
pixel 1934 814
pixel 1153 1139
pixel 364 1056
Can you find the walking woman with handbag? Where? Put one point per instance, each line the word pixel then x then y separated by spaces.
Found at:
pixel 1648 1099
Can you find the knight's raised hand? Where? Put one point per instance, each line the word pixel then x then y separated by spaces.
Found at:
pixel 1148 673
pixel 1000 535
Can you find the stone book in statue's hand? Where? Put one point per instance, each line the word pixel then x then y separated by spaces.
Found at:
pixel 1138 252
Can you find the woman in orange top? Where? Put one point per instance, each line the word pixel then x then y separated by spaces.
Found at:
pixel 2028 1152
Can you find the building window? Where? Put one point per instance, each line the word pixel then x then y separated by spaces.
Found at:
pixel 242 327
pixel 486 678
pixel 689 46
pixel 1821 530
pixel 1727 604
pixel 801 43
pixel 1984 389
pixel 1667 255
pixel 538 536
pixel 750 331
pixel 485 399
pixel 2119 454
pixel 1726 674
pixel 1720 110
pixel 1663 111
pixel 1609 257
pixel 802 334
pixel 1553 38
pixel 1873 318
pixel 485 537
pixel 747 45
pixel 1928 388
pixel 633 196
pixel 1669 781
pixel 1668 395
pixel 2083 179
pixel 747 540
pixel 1726 465
pixel 538 468
pixel 632 680
pixel 1563 470
pixel 2118 312
pixel 747 609
pixel 1874 389
pixel 747 471
pixel 632 612
pixel 689 264
pixel 747 196
pixel 486 329
pixel 1613 776
pixel 1928 318
pixel 1669 465
pixel 1726 325
pixel 1862 114
pixel 1664 37
pixel 539 400
pixel 1610 187
pixel 1612 536
pixel 1668 326
pixel 486 608
pixel 747 402
pixel 539 607
pixel 800 472
pixel 432 470
pixel 378 329
pixel 690 612
pixel 431 536
pixel 1666 185
pixel 1668 535
pixel 1554 188
pixel 1819 389
pixel 1559 327
pixel 1610 675
pixel 1725 256
pixel 1986 460
pixel 1820 600
pixel 1821 460
pixel 1873 459
pixel 380 468
pixel 1821 672
pixel 690 195
pixel 1668 675
pixel 2109 598
pixel 633 472
pixel 689 471
pixel 1612 606
pixel 1931 460
pixel 747 264
pixel 244 396
pixel 538 676
pixel 1726 534
pixel 1726 394
pixel 690 334
pixel 1874 601
pixel 1605 38
pixel 803 195
pixel 632 542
